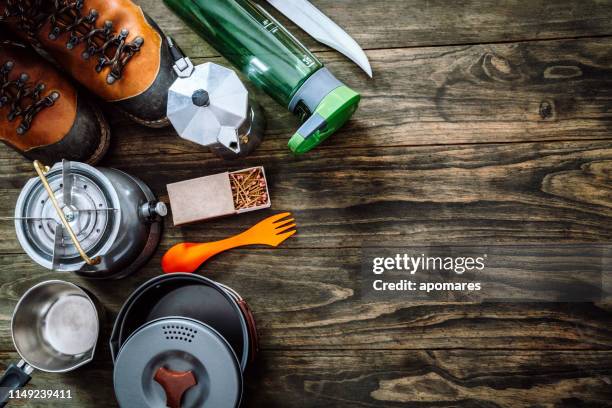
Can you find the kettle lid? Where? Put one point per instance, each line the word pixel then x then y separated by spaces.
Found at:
pixel 90 205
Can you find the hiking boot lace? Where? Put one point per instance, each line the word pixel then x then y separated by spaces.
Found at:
pixel 110 47
pixel 17 93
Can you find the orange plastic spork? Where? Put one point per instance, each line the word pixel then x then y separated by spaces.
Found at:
pixel 187 257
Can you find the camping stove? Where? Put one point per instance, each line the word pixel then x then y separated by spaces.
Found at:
pixel 109 225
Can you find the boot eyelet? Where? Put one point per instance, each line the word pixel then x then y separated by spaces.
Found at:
pixel 25 99
pixel 70 20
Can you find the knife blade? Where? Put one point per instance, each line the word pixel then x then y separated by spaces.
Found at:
pixel 323 29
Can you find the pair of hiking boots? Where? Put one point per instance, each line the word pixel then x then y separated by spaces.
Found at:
pixel 109 47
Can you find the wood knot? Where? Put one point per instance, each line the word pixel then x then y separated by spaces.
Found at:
pixel 500 64
pixel 546 109
pixel 591 185
pixel 562 72
pixel 498 68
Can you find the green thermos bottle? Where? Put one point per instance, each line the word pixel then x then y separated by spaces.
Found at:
pixel 275 61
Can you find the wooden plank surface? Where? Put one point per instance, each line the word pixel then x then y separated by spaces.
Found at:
pixel 485 120
pixel 318 306
pixel 504 192
pixel 287 379
pixel 504 93
pixel 414 23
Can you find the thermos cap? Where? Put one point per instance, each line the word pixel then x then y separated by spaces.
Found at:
pixel 334 110
pixel 325 104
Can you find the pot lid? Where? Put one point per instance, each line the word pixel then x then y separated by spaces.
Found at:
pixel 178 363
pixel 138 309
pixel 90 205
pixel 206 304
pixel 210 106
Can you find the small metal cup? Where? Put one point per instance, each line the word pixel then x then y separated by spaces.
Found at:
pixel 55 329
pixel 55 326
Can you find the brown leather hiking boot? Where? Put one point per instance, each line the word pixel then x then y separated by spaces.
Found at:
pixel 42 115
pixel 109 46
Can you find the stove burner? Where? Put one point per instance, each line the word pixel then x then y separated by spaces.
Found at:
pixel 89 204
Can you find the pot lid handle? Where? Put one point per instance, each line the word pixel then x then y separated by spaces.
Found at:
pixel 175 384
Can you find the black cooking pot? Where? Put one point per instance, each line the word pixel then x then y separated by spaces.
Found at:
pixel 194 297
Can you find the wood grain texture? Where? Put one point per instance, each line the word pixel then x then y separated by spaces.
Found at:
pixel 314 299
pixel 414 23
pixel 391 379
pixel 502 192
pixel 437 378
pixel 493 93
pixel 486 122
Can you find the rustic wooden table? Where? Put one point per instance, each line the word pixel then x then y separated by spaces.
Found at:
pixel 486 120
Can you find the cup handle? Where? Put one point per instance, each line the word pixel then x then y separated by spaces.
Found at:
pixel 15 377
pixel 175 383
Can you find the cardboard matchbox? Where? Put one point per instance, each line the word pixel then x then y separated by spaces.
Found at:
pixel 207 197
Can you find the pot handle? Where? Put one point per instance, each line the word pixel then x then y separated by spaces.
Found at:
pixel 175 383
pixel 182 64
pixel 15 377
pixel 252 328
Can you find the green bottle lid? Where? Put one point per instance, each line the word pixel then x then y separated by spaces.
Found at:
pixel 326 104
pixel 331 114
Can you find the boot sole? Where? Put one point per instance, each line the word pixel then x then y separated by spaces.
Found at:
pixel 155 124
pixel 104 137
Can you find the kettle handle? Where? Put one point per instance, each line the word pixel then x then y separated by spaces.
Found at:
pixel 175 383
pixel 41 170
pixel 15 377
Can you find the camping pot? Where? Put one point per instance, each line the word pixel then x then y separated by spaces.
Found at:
pixel 208 104
pixel 224 315
pixel 177 363
pixel 55 328
pixel 191 296
pixel 98 223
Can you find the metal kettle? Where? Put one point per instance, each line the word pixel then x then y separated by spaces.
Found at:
pixel 99 223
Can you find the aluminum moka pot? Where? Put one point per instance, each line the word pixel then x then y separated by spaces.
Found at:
pixel 99 223
pixel 208 104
